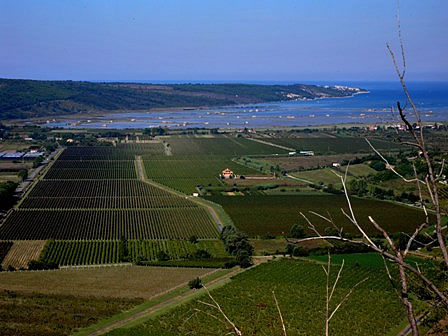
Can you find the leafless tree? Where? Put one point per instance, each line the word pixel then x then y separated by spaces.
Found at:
pixel 392 251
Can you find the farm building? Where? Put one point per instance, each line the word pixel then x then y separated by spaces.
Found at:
pixel 227 174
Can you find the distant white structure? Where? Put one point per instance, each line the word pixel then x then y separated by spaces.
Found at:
pixel 306 153
pixel 336 164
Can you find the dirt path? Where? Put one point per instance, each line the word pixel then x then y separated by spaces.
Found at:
pixel 174 300
pixel 196 200
pixel 299 179
pixel 272 144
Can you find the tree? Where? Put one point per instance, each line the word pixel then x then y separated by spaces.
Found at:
pixel 23 174
pixel 195 283
pixel 297 231
pixel 123 251
pixel 163 256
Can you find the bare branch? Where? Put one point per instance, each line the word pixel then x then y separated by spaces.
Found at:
pixel 218 307
pixel 412 238
pixel 280 314
pixel 346 297
pixel 389 166
pixel 385 234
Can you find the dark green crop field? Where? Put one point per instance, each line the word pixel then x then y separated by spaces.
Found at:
pixel 262 215
pixel 222 146
pixel 333 145
pixel 300 289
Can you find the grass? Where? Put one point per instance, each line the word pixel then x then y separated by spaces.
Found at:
pixel 359 170
pixel 261 215
pixel 318 176
pixel 299 287
pixel 116 281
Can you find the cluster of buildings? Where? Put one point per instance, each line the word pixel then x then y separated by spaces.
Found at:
pixel 21 155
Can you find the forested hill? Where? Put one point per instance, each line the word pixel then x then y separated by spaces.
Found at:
pixel 30 98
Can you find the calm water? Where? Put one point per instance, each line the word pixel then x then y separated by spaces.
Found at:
pixel 375 107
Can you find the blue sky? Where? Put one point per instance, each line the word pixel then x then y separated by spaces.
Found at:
pixel 289 40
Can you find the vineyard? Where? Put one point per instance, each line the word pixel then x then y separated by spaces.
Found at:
pixel 175 223
pixel 107 252
pixel 333 145
pixel 22 252
pixel 222 146
pixel 5 246
pixel 185 173
pixel 263 215
pixel 300 289
pixel 92 193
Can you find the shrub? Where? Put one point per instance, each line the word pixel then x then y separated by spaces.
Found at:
pixel 193 239
pixel 202 254
pixel 297 231
pixel 163 256
pixel 195 283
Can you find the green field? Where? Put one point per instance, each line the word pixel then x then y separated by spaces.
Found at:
pixel 300 290
pixel 326 176
pixel 262 215
pixel 219 146
pixel 107 252
pixel 186 173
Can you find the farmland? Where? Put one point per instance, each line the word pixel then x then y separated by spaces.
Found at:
pixel 219 146
pixel 83 197
pixel 185 173
pixel 294 163
pixel 32 314
pixel 262 215
pixel 107 251
pixel 127 282
pixel 5 246
pixel 22 252
pixel 299 287
pixel 337 145
pixel 178 223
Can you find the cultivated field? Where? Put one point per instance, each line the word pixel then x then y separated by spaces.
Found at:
pixel 262 215
pixel 107 251
pixel 185 173
pixel 92 193
pixel 294 163
pixel 220 145
pixel 22 252
pixel 114 281
pixel 33 314
pixel 179 223
pixel 333 145
pixel 300 289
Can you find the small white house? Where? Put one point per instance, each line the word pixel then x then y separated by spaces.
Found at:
pixel 336 164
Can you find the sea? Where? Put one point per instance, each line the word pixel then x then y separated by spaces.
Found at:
pixel 378 106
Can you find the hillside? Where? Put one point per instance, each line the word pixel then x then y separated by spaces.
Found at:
pixel 30 98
